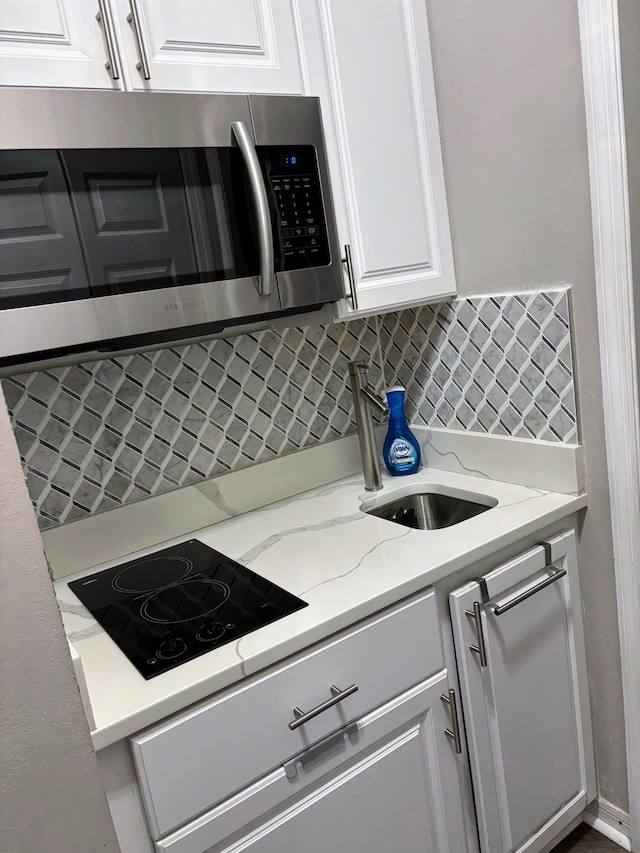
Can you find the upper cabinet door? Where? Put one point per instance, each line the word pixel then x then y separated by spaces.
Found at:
pixel 209 45
pixel 520 650
pixel 371 67
pixel 57 43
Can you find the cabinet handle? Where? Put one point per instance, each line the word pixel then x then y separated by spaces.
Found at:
pixel 102 15
pixel 321 749
pixel 134 18
pixel 454 731
pixel 353 293
pixel 337 695
pixel 480 649
pixel 259 192
pixel 556 575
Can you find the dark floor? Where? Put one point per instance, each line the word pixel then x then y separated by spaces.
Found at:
pixel 584 839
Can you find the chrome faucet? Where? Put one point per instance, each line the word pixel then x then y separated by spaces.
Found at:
pixel 364 399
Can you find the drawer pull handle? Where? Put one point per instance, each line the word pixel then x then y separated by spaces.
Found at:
pixel 454 731
pixel 337 695
pixel 321 749
pixel 480 649
pixel 556 575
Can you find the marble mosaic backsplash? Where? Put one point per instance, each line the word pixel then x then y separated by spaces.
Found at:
pixel 500 365
pixel 97 435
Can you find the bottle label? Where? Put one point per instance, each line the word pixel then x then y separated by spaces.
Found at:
pixel 401 454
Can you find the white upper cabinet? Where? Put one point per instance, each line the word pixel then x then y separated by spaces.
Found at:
pixel 370 63
pixel 55 43
pixel 209 45
pixel 168 45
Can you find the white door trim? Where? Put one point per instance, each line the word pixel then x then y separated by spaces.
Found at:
pixel 614 286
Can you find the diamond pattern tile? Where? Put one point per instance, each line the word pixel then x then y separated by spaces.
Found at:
pixel 499 364
pixel 97 435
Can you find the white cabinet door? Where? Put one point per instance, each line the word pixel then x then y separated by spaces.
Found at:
pixel 54 43
pixel 526 706
pixel 398 786
pixel 210 45
pixel 370 63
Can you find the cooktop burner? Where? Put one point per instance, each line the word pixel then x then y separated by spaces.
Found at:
pixel 174 605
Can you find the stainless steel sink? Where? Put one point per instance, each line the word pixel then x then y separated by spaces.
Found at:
pixel 431 510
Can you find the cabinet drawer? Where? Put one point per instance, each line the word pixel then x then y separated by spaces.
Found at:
pixel 191 762
pixel 414 721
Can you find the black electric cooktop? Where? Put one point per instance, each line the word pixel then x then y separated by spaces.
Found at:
pixel 176 604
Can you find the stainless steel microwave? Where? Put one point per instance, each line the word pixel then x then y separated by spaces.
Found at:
pixel 132 219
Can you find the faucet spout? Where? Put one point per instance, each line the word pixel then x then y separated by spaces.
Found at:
pixel 364 399
pixel 375 401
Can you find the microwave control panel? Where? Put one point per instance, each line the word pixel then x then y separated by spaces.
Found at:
pixel 297 207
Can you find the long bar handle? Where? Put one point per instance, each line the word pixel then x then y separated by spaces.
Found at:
pixel 259 190
pixel 555 576
pixel 480 649
pixel 454 731
pixel 134 18
pixel 353 293
pixel 111 64
pixel 337 695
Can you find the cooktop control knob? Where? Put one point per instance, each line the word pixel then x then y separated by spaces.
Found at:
pixel 210 630
pixel 171 646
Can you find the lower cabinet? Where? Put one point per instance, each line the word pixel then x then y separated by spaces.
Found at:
pixel 395 785
pixel 520 650
pixel 456 721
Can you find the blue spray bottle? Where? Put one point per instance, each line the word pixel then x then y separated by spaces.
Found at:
pixel 401 451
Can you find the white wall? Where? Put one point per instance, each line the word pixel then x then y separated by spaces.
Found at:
pixel 51 797
pixel 509 85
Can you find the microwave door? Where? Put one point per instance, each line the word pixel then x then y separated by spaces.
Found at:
pixel 169 219
pixel 100 245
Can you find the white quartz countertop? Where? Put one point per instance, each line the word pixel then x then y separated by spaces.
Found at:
pixel 322 547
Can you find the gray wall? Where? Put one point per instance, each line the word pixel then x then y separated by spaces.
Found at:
pixel 509 84
pixel 51 798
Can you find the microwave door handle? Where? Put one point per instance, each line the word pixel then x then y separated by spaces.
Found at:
pixel 261 202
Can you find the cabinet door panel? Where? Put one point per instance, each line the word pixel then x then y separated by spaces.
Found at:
pixel 52 43
pixel 214 45
pixel 361 810
pixel 376 85
pixel 526 712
